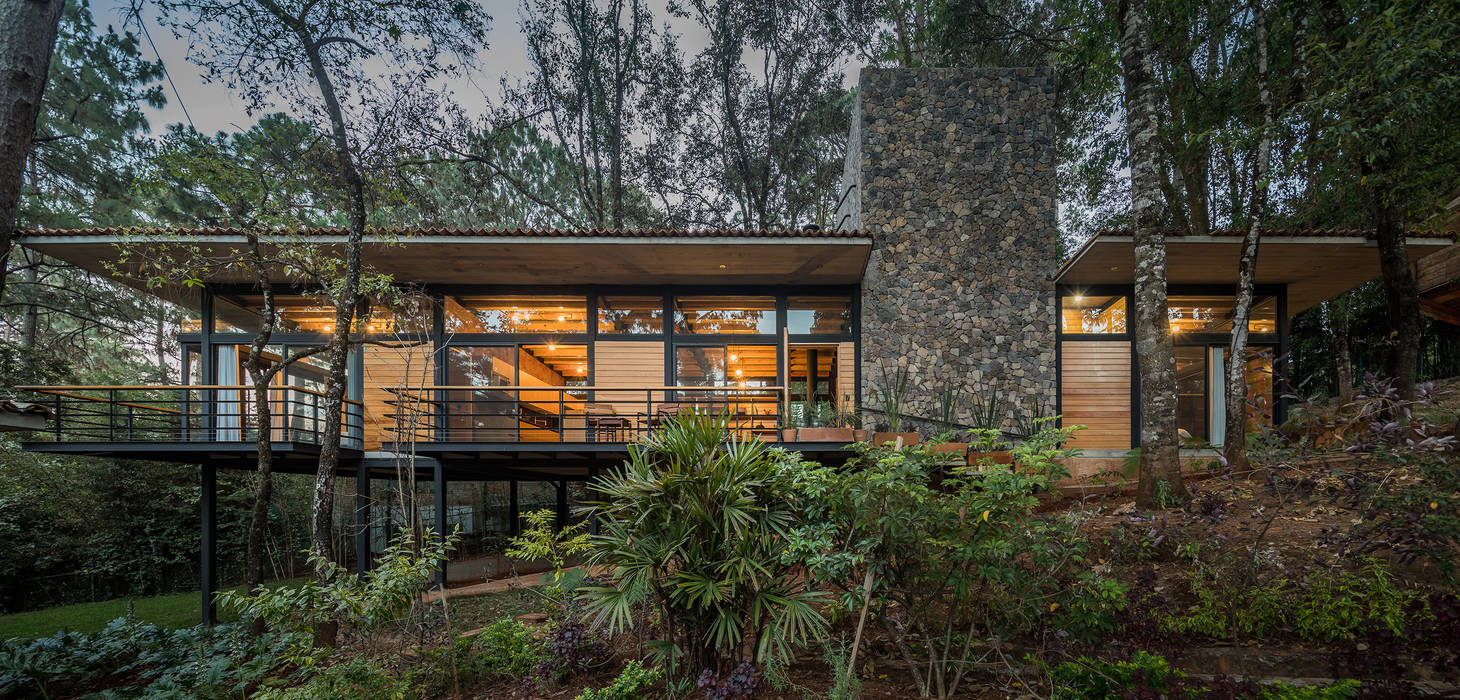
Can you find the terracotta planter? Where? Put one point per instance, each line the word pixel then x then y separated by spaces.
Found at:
pixel 859 435
pixel 907 438
pixel 955 450
pixel 842 435
pixel 788 434
pixel 997 457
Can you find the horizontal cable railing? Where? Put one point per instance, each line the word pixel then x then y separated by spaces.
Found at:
pixel 517 414
pixel 190 413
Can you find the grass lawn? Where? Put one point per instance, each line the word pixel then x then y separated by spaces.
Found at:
pixel 171 611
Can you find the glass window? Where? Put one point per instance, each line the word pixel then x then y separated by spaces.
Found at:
pixel 1191 393
pixel 1083 314
pixel 725 314
pixel 630 314
pixel 699 365
pixel 751 365
pixel 553 364
pixel 516 314
pixel 1213 314
pixel 481 366
pixel 818 315
pixel 239 313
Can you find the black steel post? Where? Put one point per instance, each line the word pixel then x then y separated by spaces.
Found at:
pixel 515 528
pixel 440 515
pixel 562 504
pixel 362 519
pixel 208 501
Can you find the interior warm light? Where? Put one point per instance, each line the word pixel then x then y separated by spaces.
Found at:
pixel 722 267
pixel 739 373
pixel 733 358
pixel 552 347
pixel 1079 298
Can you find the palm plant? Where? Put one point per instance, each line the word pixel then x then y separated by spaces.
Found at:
pixel 694 527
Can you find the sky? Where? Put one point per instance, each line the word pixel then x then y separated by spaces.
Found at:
pixel 213 108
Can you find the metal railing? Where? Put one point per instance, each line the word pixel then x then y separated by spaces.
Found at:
pixel 571 414
pixel 197 413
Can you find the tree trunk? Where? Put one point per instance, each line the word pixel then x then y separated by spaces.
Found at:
pixel 1234 449
pixel 1401 295
pixel 27 39
pixel 1343 365
pixel 30 324
pixel 345 299
pixel 263 420
pixel 1160 470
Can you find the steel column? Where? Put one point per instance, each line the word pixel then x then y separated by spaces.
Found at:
pixel 208 502
pixel 439 474
pixel 362 519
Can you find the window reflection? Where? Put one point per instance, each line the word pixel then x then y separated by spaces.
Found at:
pixel 239 313
pixel 807 315
pixel 725 314
pixel 1093 314
pixel 516 314
pixel 630 314
pixel 1214 313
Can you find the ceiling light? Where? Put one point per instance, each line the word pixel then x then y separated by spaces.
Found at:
pixel 722 267
pixel 733 358
pixel 739 373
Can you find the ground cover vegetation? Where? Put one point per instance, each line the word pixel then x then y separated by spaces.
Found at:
pixel 726 569
pixel 899 573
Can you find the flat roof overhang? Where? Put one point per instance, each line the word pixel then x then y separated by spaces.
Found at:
pixel 453 259
pixel 1315 268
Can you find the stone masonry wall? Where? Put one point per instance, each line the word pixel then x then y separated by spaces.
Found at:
pixel 955 177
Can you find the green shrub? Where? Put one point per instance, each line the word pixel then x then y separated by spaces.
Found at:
pixel 953 561
pixel 506 648
pixel 1149 675
pixel 633 683
pixel 1325 606
pixel 368 603
pixel 694 531
pixel 359 678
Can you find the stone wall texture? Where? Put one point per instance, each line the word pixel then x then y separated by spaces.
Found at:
pixel 954 174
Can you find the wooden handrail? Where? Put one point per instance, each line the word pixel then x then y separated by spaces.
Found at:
pixel 102 400
pixel 62 390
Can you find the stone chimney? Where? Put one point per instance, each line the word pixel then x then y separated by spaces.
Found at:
pixel 953 172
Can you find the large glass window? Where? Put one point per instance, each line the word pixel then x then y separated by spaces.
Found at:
pixel 807 315
pixel 239 313
pixel 747 366
pixel 1191 393
pixel 725 314
pixel 630 314
pixel 516 314
pixel 1213 314
pixel 699 365
pixel 1082 314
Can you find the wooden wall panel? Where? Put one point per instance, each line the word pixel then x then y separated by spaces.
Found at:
pixel 411 366
pixel 846 374
pixel 628 363
pixel 1095 391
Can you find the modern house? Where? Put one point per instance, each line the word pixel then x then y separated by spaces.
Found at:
pixel 534 357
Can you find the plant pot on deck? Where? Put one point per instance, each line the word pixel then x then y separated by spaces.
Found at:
pixel 788 434
pixel 842 435
pixel 995 457
pixel 859 435
pixel 955 450
pixel 907 438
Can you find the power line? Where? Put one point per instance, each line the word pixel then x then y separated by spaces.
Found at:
pixel 142 22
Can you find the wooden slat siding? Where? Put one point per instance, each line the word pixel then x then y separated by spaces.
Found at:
pixel 409 366
pixel 1095 392
pixel 628 363
pixel 846 374
pixel 1437 269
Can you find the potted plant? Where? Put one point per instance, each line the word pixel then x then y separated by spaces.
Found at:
pixel 787 424
pixel 848 417
pixel 988 448
pixel 826 429
pixel 891 393
pixel 948 401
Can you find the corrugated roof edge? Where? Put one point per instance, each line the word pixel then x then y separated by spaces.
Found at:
pixel 463 232
pixel 1288 232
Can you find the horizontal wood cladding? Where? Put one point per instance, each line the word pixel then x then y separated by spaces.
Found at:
pixel 391 366
pixel 628 363
pixel 1095 390
pixel 846 374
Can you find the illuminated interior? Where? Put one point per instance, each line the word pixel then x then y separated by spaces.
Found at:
pixel 301 314
pixel 516 314
pixel 1093 314
pixel 734 315
pixel 631 314
pixel 1213 314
